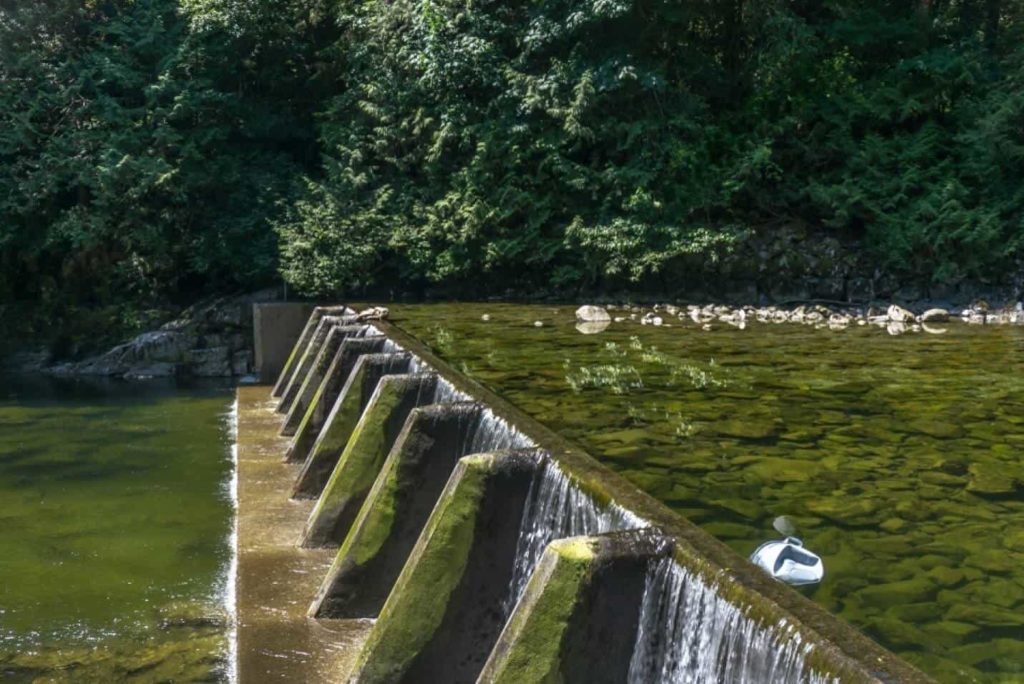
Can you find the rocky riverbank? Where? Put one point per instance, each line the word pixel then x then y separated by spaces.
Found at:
pixel 212 339
pixel 895 319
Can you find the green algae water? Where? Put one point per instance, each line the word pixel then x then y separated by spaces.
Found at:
pixel 115 523
pixel 901 459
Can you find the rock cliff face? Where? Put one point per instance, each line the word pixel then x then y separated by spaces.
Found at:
pixel 211 339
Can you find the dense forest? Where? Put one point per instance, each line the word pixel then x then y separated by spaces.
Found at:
pixel 153 151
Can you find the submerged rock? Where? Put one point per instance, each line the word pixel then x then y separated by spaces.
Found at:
pixel 987 478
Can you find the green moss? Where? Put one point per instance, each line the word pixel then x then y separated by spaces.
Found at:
pixel 530 647
pixel 341 422
pixel 376 518
pixel 313 381
pixel 360 463
pixel 309 355
pixel 298 351
pixel 309 416
pixel 418 602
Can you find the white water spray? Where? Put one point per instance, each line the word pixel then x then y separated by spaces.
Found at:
pixel 688 633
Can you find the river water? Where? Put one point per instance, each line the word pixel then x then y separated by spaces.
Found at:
pixel 114 531
pixel 900 459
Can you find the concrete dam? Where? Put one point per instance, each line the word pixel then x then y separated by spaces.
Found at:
pixel 400 522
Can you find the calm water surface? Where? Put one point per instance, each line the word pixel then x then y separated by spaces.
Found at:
pixel 900 458
pixel 114 531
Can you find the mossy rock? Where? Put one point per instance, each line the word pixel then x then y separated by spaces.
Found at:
pixel 889 594
pixel 988 478
pixel 986 615
pixel 748 428
pixel 977 653
pixel 782 470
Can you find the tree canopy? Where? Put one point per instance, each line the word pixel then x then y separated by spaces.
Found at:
pixel 155 149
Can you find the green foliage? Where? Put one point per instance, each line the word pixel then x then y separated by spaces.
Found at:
pixel 140 161
pixel 154 149
pixel 490 145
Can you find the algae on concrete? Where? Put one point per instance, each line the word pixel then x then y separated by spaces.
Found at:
pixel 449 598
pixel 333 387
pixel 419 598
pixel 577 621
pixel 348 406
pixel 395 510
pixel 363 455
pixel 530 647
pixel 292 363
pixel 309 354
pixel 316 375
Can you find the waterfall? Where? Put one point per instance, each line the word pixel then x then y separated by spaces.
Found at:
pixel 416 365
pixel 556 508
pixel 689 633
pixel 445 392
pixel 493 434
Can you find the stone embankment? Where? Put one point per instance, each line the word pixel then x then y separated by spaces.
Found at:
pixel 895 319
pixel 212 339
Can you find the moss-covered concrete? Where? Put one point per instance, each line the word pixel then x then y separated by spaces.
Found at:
pixel 317 373
pixel 325 402
pixel 395 510
pixel 577 620
pixel 529 648
pixel 446 609
pixel 292 363
pixel 348 408
pixel 309 353
pixel 363 454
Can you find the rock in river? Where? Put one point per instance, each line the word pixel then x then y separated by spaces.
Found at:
pixel 934 316
pixel 592 314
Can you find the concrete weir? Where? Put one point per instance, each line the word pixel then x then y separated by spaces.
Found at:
pixel 352 354
pixel 335 430
pixel 329 368
pixel 418 528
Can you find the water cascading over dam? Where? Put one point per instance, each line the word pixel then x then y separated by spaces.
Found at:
pixel 408 525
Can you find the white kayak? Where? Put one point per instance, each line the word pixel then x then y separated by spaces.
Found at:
pixel 788 561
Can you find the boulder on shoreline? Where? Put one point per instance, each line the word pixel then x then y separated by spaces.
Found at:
pixel 211 340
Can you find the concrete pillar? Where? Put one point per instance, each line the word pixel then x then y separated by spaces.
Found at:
pixel 363 454
pixel 276 326
pixel 392 516
pixel 303 397
pixel 449 605
pixel 577 620
pixel 319 414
